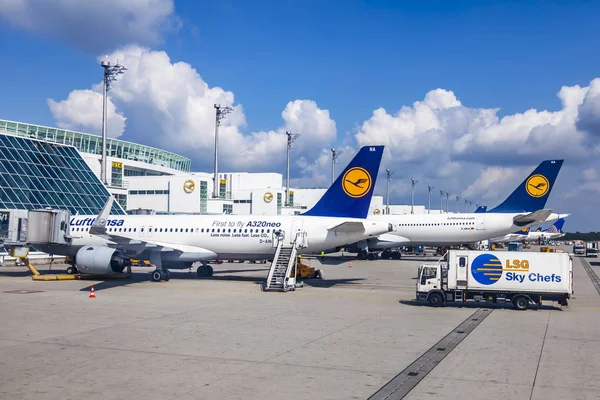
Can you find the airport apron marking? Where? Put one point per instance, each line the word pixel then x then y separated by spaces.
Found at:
pixel 406 380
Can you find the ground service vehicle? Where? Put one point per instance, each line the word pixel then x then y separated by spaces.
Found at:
pixel 579 249
pixel 521 278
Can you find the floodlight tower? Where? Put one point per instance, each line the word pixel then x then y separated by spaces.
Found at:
pixel 291 138
pixel 429 188
pixel 387 190
pixel 466 202
pixel 470 205
pixel 447 198
pixel 220 113
pixel 441 201
pixel 110 75
pixel 413 182
pixel 457 210
pixel 335 154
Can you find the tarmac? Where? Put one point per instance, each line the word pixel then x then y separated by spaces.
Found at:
pixel 343 337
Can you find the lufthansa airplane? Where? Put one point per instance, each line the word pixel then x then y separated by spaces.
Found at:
pixel 105 244
pixel 526 235
pixel 523 208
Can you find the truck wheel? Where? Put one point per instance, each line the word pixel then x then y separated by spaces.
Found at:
pixel 521 303
pixel 435 300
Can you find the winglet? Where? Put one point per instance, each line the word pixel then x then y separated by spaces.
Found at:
pixel 99 225
pixel 350 195
pixel 532 193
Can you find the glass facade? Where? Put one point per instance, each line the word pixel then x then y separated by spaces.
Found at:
pixel 228 208
pixel 36 174
pixel 88 143
pixel 279 203
pixel 222 188
pixel 203 196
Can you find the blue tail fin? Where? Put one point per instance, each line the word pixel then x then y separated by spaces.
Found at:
pixel 557 226
pixel 524 232
pixel 532 193
pixel 350 195
pixel 481 209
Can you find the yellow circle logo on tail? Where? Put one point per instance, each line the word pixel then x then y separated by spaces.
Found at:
pixel 537 186
pixel 356 182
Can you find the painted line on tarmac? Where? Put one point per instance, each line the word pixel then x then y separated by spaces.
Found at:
pixel 406 380
pixel 591 273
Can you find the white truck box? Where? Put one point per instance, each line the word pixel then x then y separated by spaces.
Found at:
pixel 499 276
pixel 513 271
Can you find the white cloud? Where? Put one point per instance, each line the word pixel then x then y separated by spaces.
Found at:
pixel 170 106
pixel 94 25
pixel 82 111
pixel 590 174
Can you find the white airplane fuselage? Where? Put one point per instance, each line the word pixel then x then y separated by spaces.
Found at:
pixel 235 237
pixel 443 229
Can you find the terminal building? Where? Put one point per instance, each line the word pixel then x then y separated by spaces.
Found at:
pixel 143 179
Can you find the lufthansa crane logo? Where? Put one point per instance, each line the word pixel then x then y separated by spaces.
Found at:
pixel 537 186
pixel 356 182
pixel 189 186
pixel 268 197
pixel 377 211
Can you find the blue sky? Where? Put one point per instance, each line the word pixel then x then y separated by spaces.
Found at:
pixel 348 57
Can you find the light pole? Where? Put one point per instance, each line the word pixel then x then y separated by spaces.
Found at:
pixel 441 201
pixel 413 182
pixel 291 138
pixel 334 156
pixel 221 112
pixel 457 210
pixel 447 197
pixel 387 191
pixel 110 75
pixel 470 205
pixel 466 202
pixel 429 188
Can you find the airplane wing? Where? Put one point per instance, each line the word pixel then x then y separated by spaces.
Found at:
pixel 536 217
pixel 348 226
pixel 136 246
pixel 394 240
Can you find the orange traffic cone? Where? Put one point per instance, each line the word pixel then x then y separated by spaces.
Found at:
pixel 350 266
pixel 92 295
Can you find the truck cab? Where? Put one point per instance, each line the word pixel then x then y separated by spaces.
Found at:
pixel 433 278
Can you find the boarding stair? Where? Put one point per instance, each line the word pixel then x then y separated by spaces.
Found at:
pixel 284 263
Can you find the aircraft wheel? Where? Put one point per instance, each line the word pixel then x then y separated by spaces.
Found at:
pixel 386 254
pixel 362 255
pixel 157 275
pixel 372 256
pixel 71 270
pixel 396 255
pixel 204 271
pixel 167 274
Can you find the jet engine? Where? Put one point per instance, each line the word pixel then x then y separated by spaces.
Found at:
pixel 100 260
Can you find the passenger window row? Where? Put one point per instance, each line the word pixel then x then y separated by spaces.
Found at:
pixel 440 224
pixel 180 230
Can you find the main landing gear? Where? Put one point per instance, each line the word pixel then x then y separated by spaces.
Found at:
pixel 204 271
pixel 159 275
pixel 366 255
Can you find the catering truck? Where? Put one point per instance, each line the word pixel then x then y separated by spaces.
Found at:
pixel 522 278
